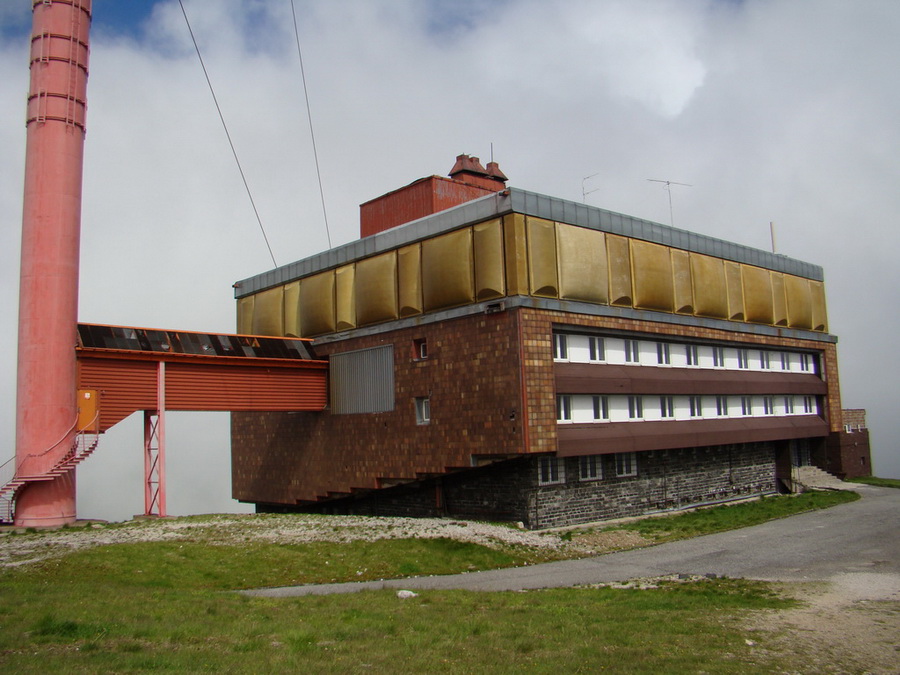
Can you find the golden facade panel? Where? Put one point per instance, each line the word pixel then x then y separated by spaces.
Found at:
pixel 489 274
pixel 734 284
pixel 542 278
pixel 515 251
pixel 779 300
pixel 652 274
pixel 268 312
pixel 583 272
pixel 681 281
pixel 758 306
pixel 817 296
pixel 317 304
pixel 447 270
pixel 345 297
pixel 376 289
pixel 799 302
pixel 708 279
pixel 245 314
pixel 292 309
pixel 619 262
pixel 409 272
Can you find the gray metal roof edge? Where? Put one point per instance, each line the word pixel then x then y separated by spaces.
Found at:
pixel 514 200
pixel 572 307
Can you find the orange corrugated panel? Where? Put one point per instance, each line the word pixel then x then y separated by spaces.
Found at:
pixel 124 386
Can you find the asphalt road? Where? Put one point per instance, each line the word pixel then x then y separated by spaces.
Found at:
pixel 859 537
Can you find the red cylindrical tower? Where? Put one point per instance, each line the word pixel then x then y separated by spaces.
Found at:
pixel 51 228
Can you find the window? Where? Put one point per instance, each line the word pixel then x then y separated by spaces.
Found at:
pixel 764 360
pixel 805 362
pixel 563 408
pixel 722 406
pixel 789 405
pixel 423 410
pixel 746 405
pixel 662 353
pixel 785 360
pixel 551 470
pixel 420 349
pixel 635 407
pixel 666 406
pixel 590 467
pixel 743 358
pixel 632 351
pixel 690 352
pixel 601 407
pixel 696 403
pixel 597 349
pixel 769 405
pixel 560 347
pixel 626 464
pixel 809 404
pixel 719 357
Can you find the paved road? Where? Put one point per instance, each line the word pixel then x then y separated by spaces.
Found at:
pixel 860 537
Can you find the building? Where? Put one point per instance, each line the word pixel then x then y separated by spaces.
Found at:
pixel 500 354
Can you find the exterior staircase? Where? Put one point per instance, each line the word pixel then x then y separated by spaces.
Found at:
pixel 84 444
pixel 814 478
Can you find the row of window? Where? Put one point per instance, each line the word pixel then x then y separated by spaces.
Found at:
pixel 623 408
pixel 628 351
pixel 552 470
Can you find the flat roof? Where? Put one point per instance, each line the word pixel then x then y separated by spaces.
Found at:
pixel 514 200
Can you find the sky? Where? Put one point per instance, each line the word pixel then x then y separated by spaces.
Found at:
pixel 779 111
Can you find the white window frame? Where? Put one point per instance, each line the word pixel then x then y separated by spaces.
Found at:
pixel 788 405
pixel 667 407
pixel 632 351
pixel 626 464
pixel 663 354
pixel 722 405
pixel 560 347
pixel 423 410
pixel 747 406
pixel 743 357
pixel 718 357
pixel 601 407
pixel 764 360
pixel 551 471
pixel 590 467
pixel 563 407
pixel 695 403
pixel 596 349
pixel 635 407
pixel 768 405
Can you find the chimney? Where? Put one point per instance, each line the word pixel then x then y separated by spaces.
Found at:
pixel 468 180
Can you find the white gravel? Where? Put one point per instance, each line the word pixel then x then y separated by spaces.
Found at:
pixel 20 548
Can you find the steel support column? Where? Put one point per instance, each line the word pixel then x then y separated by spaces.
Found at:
pixel 155 450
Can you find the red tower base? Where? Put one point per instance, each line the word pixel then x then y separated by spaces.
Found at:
pixel 47 503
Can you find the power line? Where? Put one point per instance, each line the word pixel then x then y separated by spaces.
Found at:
pixel 228 135
pixel 309 117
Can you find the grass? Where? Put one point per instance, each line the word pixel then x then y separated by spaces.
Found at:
pixel 877 482
pixel 160 606
pixel 732 517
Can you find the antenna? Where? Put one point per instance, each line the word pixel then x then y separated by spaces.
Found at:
pixel 584 193
pixel 669 184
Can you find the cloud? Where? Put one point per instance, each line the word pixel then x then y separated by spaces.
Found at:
pixel 771 110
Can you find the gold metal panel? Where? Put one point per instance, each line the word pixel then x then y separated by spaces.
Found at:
pixel 515 251
pixel 758 306
pixel 819 316
pixel 317 304
pixel 779 300
pixel 409 273
pixel 489 273
pixel 799 302
pixel 376 289
pixel 542 272
pixel 708 279
pixel 345 297
pixel 292 309
pixel 619 261
pixel 268 312
pixel 245 314
pixel 734 283
pixel 681 281
pixel 651 269
pixel 447 270
pixel 583 272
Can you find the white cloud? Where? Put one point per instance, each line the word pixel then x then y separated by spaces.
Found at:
pixel 772 110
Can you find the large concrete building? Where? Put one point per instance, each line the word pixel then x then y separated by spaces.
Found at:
pixel 496 353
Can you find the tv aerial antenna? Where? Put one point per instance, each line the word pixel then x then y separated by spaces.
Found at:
pixel 584 191
pixel 669 184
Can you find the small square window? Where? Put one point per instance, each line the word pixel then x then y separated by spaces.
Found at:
pixel 551 470
pixel 423 410
pixel 626 464
pixel 420 349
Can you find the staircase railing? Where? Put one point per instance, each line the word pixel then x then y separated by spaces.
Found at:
pixel 84 443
